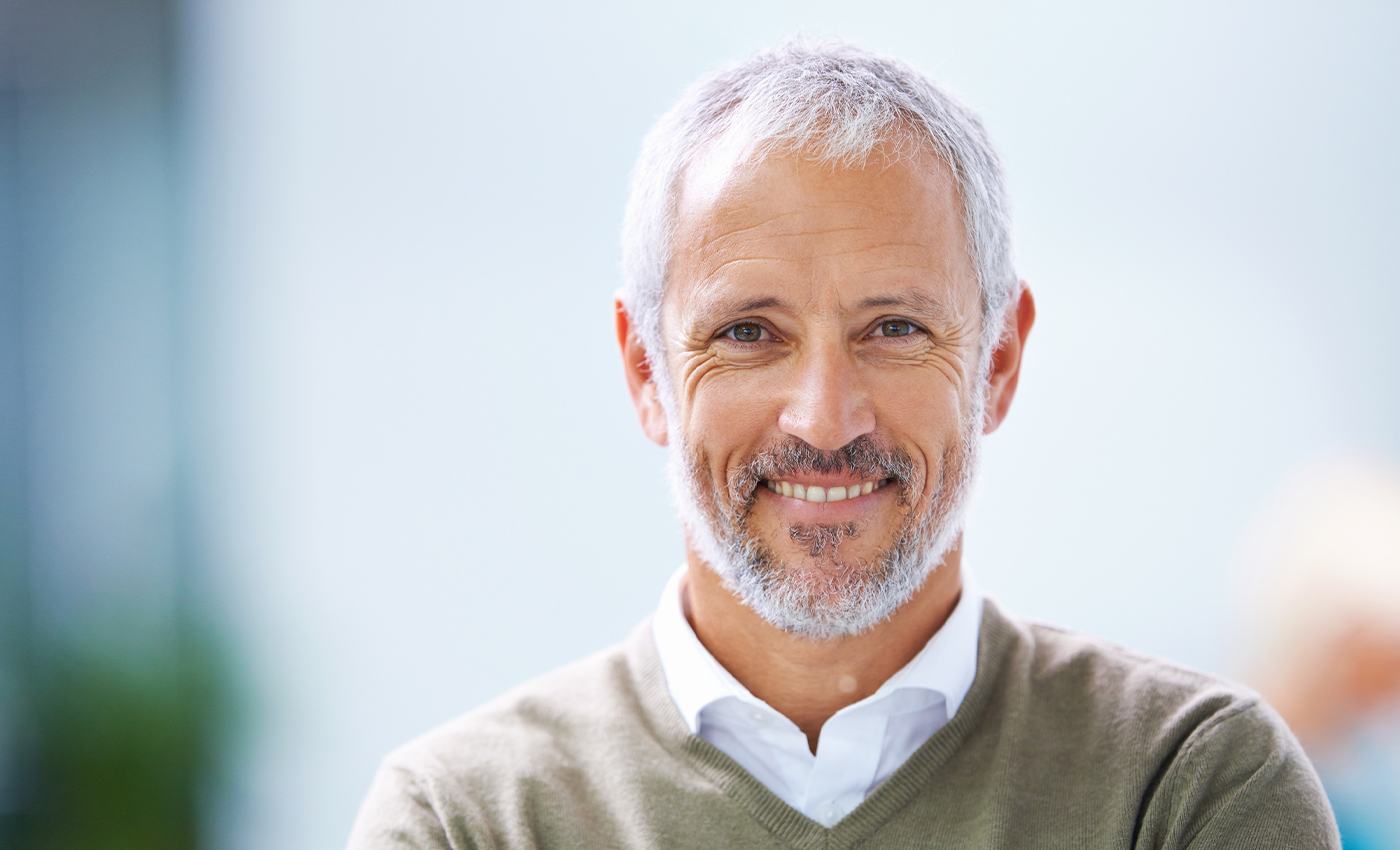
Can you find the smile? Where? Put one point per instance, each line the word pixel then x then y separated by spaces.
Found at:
pixel 814 493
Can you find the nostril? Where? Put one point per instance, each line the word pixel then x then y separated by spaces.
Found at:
pixel 824 431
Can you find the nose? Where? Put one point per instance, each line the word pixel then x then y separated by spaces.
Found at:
pixel 828 405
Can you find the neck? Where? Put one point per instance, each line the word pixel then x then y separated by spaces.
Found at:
pixel 809 680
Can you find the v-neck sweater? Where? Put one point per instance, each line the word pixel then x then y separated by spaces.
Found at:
pixel 861 745
pixel 1063 741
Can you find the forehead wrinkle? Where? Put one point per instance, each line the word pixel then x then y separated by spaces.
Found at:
pixel 879 247
pixel 712 281
pixel 825 231
pixel 718 248
pixel 723 249
pixel 897 267
pixel 712 252
pixel 725 227
pixel 726 222
pixel 708 235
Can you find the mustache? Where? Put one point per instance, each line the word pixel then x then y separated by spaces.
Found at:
pixel 863 457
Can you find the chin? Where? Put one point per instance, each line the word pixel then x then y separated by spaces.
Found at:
pixel 817 571
pixel 831 596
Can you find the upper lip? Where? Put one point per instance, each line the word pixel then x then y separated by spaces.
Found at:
pixel 825 479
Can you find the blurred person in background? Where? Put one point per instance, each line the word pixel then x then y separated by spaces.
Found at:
pixel 820 320
pixel 1321 604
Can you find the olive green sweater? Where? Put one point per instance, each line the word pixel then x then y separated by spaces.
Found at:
pixel 1062 742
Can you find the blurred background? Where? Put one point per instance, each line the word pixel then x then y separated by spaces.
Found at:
pixel 313 433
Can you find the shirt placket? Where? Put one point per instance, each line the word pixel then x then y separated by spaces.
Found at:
pixel 848 754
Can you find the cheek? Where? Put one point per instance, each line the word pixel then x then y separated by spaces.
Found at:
pixel 732 404
pixel 926 417
pixel 921 407
pixel 730 417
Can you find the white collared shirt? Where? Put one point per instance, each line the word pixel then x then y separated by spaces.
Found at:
pixel 859 747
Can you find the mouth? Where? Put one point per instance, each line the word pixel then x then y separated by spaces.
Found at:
pixel 824 493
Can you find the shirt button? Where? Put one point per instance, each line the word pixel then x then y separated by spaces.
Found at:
pixel 831 815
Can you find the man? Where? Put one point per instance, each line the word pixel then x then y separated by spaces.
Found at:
pixel 820 320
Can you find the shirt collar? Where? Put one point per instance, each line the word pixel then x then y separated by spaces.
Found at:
pixel 693 676
pixel 945 666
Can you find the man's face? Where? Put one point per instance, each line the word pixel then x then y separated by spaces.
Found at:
pixel 821 329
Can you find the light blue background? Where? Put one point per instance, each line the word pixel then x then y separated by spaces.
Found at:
pixel 424 479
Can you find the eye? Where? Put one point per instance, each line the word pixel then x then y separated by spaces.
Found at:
pixel 896 327
pixel 744 332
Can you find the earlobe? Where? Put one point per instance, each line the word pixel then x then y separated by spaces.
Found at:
pixel 641 385
pixel 1006 360
pixel 653 415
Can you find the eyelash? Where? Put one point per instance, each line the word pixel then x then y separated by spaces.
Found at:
pixel 725 334
pixel 915 328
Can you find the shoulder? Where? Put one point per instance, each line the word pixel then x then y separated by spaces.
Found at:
pixel 534 723
pixel 544 736
pixel 1058 675
pixel 1194 754
pixel 1107 701
pixel 1066 667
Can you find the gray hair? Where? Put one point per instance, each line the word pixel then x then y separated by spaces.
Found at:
pixel 835 103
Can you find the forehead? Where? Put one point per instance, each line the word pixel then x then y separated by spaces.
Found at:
pixel 789 218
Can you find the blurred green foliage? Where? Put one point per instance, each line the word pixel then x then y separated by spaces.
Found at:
pixel 119 745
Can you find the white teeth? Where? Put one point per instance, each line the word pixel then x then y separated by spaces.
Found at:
pixel 813 493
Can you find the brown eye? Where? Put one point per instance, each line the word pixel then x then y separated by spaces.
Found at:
pixel 745 332
pixel 896 327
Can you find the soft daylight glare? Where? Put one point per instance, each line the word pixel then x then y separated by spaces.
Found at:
pixel 313 432
pixel 426 458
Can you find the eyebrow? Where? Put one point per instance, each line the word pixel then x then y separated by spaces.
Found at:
pixel 756 304
pixel 730 306
pixel 914 301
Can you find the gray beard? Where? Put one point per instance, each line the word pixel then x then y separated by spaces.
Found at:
pixel 829 597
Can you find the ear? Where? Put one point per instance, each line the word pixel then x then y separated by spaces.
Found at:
pixel 1006 360
pixel 636 367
